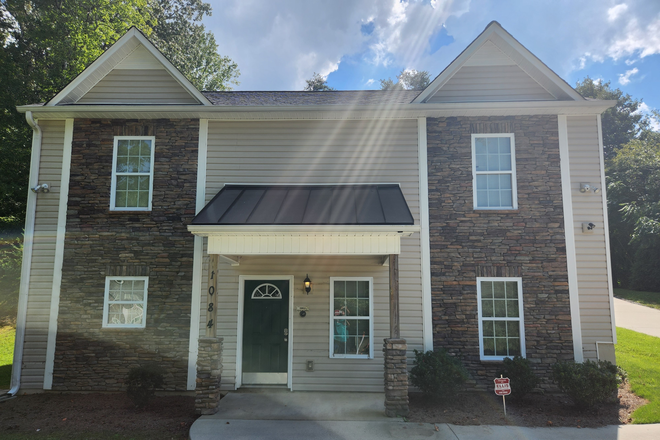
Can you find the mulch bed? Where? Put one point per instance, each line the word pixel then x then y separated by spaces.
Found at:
pixel 166 417
pixel 535 410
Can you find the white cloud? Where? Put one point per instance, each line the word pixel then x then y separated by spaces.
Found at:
pixel 370 81
pixel 624 78
pixel 616 11
pixel 643 39
pixel 644 109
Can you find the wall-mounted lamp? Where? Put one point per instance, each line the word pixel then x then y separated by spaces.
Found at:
pixel 588 227
pixel 585 188
pixel 308 284
pixel 44 188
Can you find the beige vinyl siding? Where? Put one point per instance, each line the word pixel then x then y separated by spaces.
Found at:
pixel 590 248
pixel 138 86
pixel 43 256
pixel 320 152
pixel 490 83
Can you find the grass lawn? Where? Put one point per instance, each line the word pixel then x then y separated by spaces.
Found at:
pixel 648 299
pixel 639 355
pixel 7 335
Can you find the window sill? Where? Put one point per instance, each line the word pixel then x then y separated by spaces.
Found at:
pixel 123 328
pixel 115 211
pixel 498 211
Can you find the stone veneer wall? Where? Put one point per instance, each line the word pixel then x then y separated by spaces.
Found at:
pixel 101 243
pixel 527 243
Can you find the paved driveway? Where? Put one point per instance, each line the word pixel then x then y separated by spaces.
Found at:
pixel 638 318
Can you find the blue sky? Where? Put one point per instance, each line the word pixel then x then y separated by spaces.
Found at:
pixel 355 43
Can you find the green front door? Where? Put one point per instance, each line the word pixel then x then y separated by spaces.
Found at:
pixel 266 332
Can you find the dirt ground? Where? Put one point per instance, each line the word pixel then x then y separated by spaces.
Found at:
pixel 70 415
pixel 170 417
pixel 534 410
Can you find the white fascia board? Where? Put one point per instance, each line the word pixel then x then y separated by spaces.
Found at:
pixel 389 230
pixel 132 33
pixel 402 111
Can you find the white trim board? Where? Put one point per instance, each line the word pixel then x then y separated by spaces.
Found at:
pixel 239 325
pixel 424 236
pixel 569 231
pixel 59 255
pixel 198 258
pixel 606 223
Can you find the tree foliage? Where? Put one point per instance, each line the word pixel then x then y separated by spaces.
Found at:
pixel 621 123
pixel 633 192
pixel 408 79
pixel 317 83
pixel 47 43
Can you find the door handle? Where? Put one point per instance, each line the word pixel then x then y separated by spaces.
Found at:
pixel 286 332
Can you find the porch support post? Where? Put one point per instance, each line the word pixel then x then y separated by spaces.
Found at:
pixel 209 370
pixel 211 296
pixel 395 333
pixel 394 351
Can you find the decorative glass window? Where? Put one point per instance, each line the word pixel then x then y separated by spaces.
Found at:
pixel 501 327
pixel 494 171
pixel 132 173
pixel 351 318
pixel 266 291
pixel 125 302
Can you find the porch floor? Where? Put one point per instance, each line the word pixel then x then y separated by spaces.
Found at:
pixel 273 404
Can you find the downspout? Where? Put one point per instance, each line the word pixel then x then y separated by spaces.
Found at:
pixel 28 241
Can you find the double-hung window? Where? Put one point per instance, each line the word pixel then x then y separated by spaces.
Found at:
pixel 494 171
pixel 351 317
pixel 501 326
pixel 132 173
pixel 125 303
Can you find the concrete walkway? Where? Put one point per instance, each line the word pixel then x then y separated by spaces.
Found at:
pixel 276 415
pixel 638 318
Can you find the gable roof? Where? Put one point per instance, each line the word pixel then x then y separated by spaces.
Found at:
pixel 132 52
pixel 496 53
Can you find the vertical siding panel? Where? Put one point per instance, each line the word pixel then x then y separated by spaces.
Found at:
pixel 43 256
pixel 589 247
pixel 321 152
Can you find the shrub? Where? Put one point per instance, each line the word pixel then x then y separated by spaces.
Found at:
pixel 142 382
pixel 522 378
pixel 437 374
pixel 588 383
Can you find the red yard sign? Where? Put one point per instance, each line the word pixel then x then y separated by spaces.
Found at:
pixel 502 386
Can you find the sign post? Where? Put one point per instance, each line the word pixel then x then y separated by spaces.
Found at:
pixel 503 388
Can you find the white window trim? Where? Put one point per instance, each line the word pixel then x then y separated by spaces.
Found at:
pixel 113 186
pixel 520 319
pixel 514 186
pixel 106 305
pixel 371 318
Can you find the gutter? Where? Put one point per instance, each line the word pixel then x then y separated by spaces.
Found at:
pixel 336 111
pixel 28 241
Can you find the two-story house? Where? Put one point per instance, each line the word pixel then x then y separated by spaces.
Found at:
pixel 304 228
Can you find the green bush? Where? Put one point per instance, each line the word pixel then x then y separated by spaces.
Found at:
pixel 437 374
pixel 142 383
pixel 588 383
pixel 522 378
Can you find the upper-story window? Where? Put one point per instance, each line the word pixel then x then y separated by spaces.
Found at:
pixel 132 173
pixel 494 171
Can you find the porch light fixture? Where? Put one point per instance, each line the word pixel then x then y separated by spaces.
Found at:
pixel 308 284
pixel 44 188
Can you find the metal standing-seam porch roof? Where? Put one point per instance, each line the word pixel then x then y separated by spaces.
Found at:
pixel 356 219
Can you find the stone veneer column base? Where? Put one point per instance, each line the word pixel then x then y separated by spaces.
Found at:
pixel 209 369
pixel 396 377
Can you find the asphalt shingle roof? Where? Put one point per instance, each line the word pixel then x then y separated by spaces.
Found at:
pixel 359 97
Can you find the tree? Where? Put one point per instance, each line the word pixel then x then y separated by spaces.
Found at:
pixel 621 123
pixel 47 43
pixel 408 79
pixel 177 33
pixel 317 83
pixel 633 192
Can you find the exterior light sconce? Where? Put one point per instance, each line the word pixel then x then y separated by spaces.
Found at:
pixel 308 285
pixel 44 188
pixel 585 188
pixel 588 227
